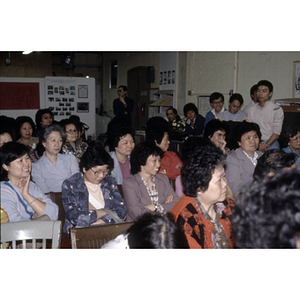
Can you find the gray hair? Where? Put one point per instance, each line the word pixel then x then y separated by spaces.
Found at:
pixel 47 130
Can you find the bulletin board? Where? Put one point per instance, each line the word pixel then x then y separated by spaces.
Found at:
pixel 19 95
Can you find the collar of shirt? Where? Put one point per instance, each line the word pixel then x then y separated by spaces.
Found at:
pixel 214 111
pixel 254 159
pixel 189 121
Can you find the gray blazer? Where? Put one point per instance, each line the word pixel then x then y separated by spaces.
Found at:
pixel 239 170
pixel 136 195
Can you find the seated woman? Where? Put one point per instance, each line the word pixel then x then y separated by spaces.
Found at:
pixel 241 163
pixel 43 117
pixel 146 190
pixel 195 122
pixel 87 193
pixel 120 140
pixel 72 145
pixel 53 168
pixel 204 211
pixel 21 198
pixel 159 133
pixel 290 141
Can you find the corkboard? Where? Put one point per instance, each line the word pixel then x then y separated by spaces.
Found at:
pixel 19 95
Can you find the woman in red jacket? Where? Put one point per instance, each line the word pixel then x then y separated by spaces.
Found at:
pixel 204 212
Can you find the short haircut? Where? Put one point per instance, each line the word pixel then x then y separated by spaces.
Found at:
pixel 215 96
pixel 7 129
pixel 119 130
pixel 212 126
pixel 140 154
pixel 95 156
pixel 253 89
pixel 66 122
pixel 9 152
pixel 190 106
pixel 198 169
pixel 173 109
pixel 287 133
pixel 273 160
pixel 244 127
pixel 267 215
pixel 266 83
pixel 154 231
pixel 40 113
pixel 124 87
pixel 20 121
pixel 47 130
pixel 237 97
pixel 155 132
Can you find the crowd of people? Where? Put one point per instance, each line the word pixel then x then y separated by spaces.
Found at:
pixel 234 184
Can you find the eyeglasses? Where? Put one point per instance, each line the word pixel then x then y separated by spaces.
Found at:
pixel 103 172
pixel 71 131
pixel 295 139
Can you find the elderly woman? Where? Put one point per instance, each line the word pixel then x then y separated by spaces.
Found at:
pixel 53 168
pixel 146 190
pixel 21 198
pixel 241 163
pixel 204 211
pixel 121 143
pixel 91 196
pixel 290 141
pixel 72 145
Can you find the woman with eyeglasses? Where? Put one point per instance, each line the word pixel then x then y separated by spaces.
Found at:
pixel 53 168
pixel 72 145
pixel 91 196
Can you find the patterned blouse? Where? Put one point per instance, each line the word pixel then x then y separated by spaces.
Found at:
pixel 78 150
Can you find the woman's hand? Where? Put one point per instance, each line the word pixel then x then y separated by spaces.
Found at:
pixel 169 199
pixel 24 187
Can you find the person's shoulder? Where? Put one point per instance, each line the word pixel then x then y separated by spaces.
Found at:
pixel 132 180
pixel 182 204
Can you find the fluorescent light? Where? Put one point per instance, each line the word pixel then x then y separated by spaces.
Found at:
pixel 27 52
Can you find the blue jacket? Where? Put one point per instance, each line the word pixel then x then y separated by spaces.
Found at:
pixel 75 199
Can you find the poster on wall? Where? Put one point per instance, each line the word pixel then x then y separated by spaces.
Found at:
pixel 296 81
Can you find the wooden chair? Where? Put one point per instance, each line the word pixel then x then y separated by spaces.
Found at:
pixel 31 231
pixel 57 199
pixel 94 237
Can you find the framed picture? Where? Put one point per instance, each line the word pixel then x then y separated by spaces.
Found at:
pixel 82 91
pixel 296 80
pixel 83 107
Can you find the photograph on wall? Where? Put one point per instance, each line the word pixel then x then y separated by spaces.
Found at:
pixel 296 90
pixel 82 91
pixel 83 107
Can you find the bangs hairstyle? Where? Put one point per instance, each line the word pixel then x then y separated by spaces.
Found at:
pixel 190 106
pixel 9 152
pixel 198 169
pixel 244 127
pixel 20 121
pixel 40 113
pixel 115 135
pixel 266 83
pixel 212 126
pixel 95 156
pixel 47 130
pixel 140 154
pixel 215 96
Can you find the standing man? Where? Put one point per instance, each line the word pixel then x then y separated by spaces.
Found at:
pixel 253 95
pixel 123 105
pixel 267 115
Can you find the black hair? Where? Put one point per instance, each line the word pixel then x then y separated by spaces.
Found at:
pixel 273 160
pixel 119 130
pixel 20 121
pixel 69 121
pixel 244 127
pixel 9 152
pixel 140 154
pixel 267 215
pixel 212 126
pixel 190 106
pixel 286 134
pixel 154 231
pixel 124 87
pixel 46 131
pixel 95 156
pixel 197 170
pixel 253 89
pixel 39 114
pixel 266 83
pixel 237 97
pixel 173 109
pixel 155 130
pixel 7 129
pixel 215 96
